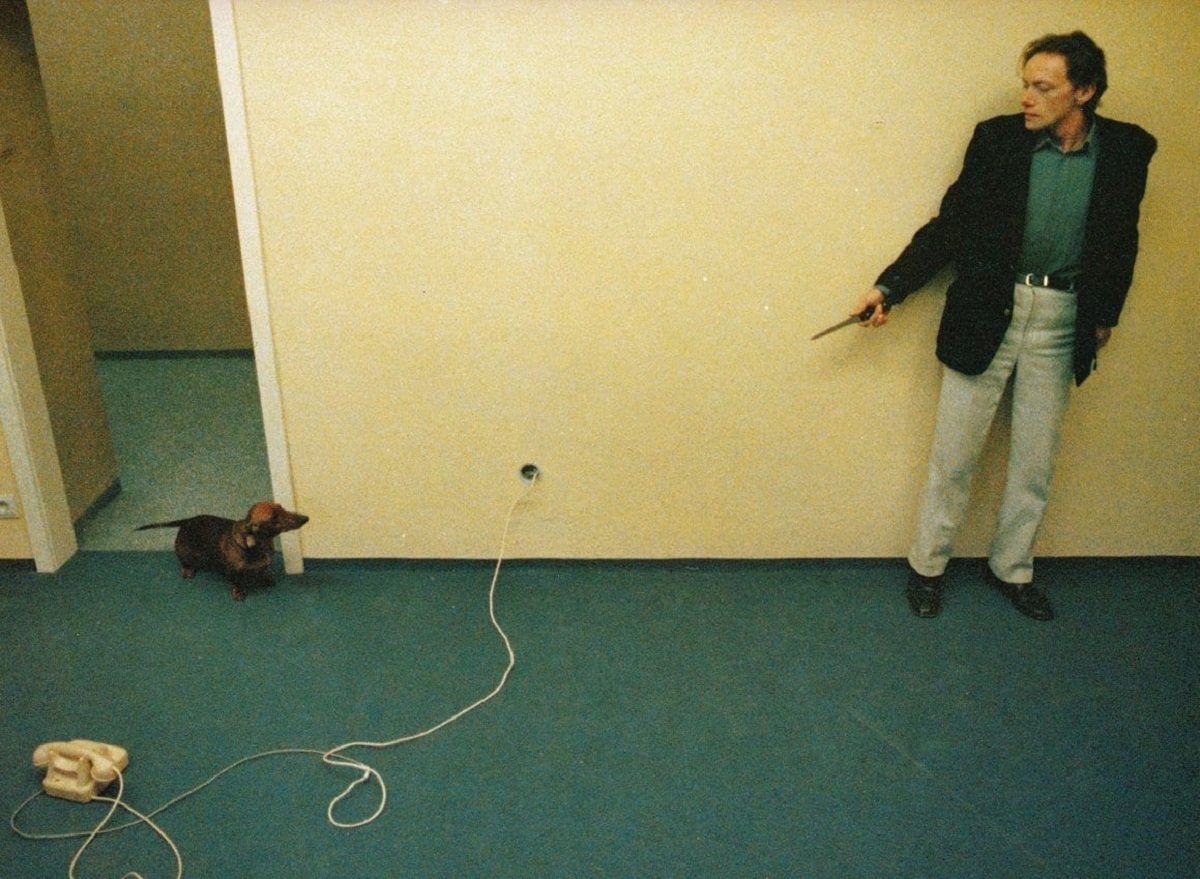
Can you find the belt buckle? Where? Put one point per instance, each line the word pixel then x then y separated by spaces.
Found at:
pixel 1031 280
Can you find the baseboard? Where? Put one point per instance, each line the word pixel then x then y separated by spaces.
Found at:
pixel 173 354
pixel 102 500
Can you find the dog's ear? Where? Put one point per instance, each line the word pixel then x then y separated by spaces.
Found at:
pixel 261 513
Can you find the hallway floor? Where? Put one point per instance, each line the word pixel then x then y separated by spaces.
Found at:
pixel 760 720
pixel 189 439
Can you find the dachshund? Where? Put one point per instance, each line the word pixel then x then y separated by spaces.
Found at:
pixel 239 550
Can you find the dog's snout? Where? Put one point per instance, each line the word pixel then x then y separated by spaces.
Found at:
pixel 289 521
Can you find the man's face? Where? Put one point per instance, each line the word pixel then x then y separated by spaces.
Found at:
pixel 1049 99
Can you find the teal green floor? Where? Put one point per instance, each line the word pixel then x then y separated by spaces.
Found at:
pixel 782 719
pixel 674 719
pixel 188 436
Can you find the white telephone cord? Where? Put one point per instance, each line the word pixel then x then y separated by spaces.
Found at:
pixel 332 757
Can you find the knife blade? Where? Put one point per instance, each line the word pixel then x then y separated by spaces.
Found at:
pixel 850 321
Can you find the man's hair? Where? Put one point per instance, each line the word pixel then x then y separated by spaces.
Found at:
pixel 1085 61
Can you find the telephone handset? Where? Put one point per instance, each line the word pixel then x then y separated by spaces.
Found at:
pixel 79 769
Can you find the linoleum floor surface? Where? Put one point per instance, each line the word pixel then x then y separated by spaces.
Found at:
pixel 188 435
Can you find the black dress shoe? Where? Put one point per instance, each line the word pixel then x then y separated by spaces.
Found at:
pixel 1026 597
pixel 924 594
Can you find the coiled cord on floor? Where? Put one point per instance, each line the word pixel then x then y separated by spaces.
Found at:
pixel 335 756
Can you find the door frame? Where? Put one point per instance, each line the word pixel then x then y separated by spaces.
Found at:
pixel 24 419
pixel 25 425
pixel 245 199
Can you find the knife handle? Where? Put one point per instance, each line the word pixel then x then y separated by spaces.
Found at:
pixel 866 313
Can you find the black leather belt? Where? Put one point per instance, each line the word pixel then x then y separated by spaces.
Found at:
pixel 1053 282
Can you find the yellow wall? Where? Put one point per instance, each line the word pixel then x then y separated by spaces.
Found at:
pixel 56 309
pixel 136 112
pixel 14 534
pixel 597 236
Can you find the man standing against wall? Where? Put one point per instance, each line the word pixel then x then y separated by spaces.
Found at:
pixel 1041 227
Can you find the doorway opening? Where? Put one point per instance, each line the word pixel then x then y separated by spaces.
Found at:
pixel 188 435
pixel 187 420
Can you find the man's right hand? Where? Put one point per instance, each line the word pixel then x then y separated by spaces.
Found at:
pixel 872 301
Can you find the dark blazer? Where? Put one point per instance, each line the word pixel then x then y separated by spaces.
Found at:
pixel 979 229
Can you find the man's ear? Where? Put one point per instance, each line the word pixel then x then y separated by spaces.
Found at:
pixel 1084 94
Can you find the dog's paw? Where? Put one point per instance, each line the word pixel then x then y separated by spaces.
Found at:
pixel 238 593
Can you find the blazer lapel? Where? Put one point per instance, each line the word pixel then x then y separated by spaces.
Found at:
pixel 1108 169
pixel 1019 159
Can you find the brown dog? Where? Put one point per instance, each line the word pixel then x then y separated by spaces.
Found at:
pixel 241 551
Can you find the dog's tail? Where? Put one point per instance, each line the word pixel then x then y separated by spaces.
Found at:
pixel 176 524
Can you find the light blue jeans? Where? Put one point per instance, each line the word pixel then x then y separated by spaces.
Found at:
pixel 1038 354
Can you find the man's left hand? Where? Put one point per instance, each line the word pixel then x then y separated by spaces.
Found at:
pixel 1103 334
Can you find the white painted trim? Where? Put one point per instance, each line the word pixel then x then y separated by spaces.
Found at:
pixel 25 423
pixel 245 198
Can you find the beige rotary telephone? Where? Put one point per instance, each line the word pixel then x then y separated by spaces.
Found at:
pixel 79 769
